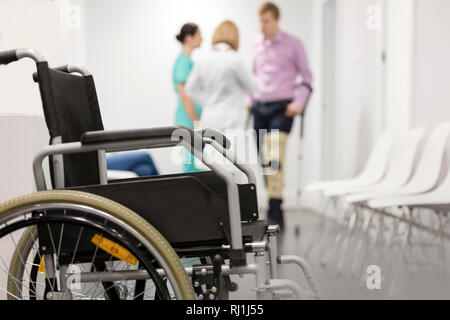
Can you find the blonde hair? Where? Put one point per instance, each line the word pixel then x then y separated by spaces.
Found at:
pixel 227 32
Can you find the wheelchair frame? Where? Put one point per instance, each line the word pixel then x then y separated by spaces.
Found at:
pixel 268 284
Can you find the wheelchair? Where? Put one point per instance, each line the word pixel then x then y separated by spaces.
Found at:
pixel 81 236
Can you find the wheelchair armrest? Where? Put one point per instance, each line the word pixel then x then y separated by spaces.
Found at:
pixel 94 137
pixel 173 133
pixel 217 136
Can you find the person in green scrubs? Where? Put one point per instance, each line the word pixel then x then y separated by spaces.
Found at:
pixel 187 112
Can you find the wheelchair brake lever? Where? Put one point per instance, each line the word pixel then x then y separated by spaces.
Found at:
pixel 225 232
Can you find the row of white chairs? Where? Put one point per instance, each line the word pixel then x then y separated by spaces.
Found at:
pixel 376 210
pixel 403 169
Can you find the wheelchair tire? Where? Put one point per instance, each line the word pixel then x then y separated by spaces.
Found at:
pixel 125 215
pixel 23 247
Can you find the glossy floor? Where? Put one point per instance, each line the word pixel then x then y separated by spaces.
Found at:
pixel 347 267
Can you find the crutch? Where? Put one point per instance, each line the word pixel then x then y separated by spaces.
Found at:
pixel 300 156
pixel 302 134
pixel 300 152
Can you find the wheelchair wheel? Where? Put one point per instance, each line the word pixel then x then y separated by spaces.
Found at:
pixel 75 245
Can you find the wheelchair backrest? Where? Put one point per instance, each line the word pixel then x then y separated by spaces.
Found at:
pixel 71 108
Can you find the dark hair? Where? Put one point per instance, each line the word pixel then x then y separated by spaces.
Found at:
pixel 187 29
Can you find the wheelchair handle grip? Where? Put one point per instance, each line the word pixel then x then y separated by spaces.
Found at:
pixel 6 57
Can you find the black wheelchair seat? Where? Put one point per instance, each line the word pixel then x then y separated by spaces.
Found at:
pixel 188 209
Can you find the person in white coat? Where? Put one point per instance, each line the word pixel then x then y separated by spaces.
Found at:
pixel 219 82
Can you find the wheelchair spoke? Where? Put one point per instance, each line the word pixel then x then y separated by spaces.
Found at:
pixel 9 293
pixel 36 248
pixel 95 295
pixel 53 245
pixel 139 295
pixel 76 245
pixel 93 265
pixel 60 237
pixel 98 282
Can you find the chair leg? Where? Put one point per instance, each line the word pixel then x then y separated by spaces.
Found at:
pixel 442 253
pixel 348 239
pixel 329 223
pixel 331 216
pixel 333 232
pixel 373 238
pixel 363 239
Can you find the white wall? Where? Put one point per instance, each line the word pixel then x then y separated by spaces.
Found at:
pixel 132 48
pixel 399 77
pixel 30 136
pixel 310 167
pixel 359 113
pixel 371 93
pixel 34 24
pixel 39 24
pixel 408 90
pixel 77 33
pixel 431 98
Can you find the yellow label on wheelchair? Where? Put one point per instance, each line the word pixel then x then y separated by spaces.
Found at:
pixel 114 249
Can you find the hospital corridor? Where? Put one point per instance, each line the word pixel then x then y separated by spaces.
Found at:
pixel 224 150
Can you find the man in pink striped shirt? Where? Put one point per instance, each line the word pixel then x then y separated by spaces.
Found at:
pixel 279 61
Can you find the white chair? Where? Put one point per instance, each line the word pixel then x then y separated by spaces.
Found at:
pixel 377 169
pixel 427 173
pixel 437 199
pixel 401 167
pixel 372 171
